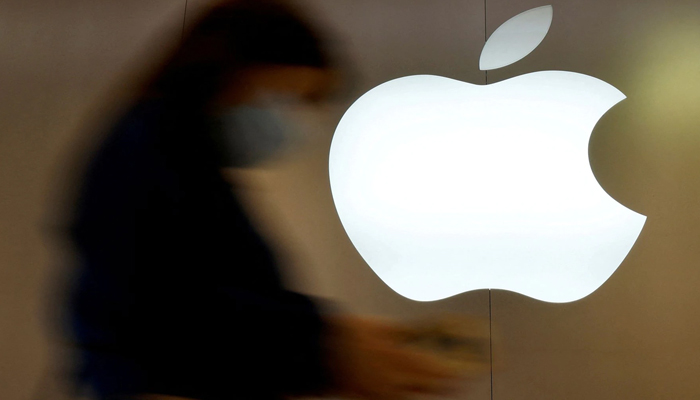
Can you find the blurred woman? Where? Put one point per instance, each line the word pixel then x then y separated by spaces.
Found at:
pixel 177 292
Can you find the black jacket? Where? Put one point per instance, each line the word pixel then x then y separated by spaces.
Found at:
pixel 177 293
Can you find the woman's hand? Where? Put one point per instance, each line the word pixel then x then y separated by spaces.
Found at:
pixel 369 359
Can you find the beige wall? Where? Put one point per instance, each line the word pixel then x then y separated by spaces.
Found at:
pixel 634 338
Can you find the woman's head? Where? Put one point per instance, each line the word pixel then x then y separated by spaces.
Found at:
pixel 239 48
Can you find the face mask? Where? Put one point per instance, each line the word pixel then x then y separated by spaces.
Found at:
pixel 249 135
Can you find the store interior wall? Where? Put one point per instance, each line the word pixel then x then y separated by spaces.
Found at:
pixel 67 66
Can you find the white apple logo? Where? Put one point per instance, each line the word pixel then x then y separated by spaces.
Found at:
pixel 446 187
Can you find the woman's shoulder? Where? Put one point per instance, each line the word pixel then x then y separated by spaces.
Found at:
pixel 139 123
pixel 128 149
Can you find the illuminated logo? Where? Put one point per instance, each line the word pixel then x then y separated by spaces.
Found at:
pixel 446 187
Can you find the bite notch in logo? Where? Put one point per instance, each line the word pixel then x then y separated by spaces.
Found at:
pixel 446 187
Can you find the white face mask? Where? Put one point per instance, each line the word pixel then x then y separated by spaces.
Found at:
pixel 248 135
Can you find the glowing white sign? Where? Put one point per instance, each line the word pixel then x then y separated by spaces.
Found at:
pixel 446 187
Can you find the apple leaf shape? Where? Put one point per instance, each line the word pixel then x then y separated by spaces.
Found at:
pixel 516 38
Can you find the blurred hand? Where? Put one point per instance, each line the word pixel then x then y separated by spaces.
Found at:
pixel 370 359
pixel 461 340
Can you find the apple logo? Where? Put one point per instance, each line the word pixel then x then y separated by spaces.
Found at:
pixel 446 187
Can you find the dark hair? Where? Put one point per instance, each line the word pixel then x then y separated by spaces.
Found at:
pixel 231 36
